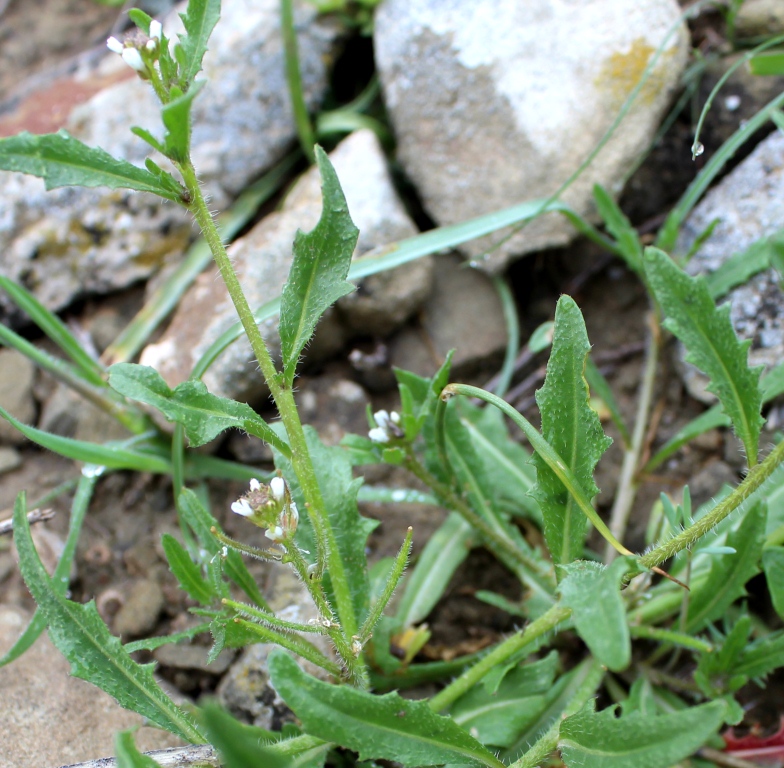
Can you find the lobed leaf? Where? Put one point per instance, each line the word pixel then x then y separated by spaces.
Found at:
pixel 729 573
pixel 203 415
pixel 592 739
pixel 61 161
pixel 95 655
pixel 707 333
pixel 572 428
pixel 177 119
pixel 763 656
pixel 593 592
pixel 377 727
pixel 317 278
pixel 199 20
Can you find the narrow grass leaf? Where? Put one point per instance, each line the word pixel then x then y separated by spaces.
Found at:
pixel 769 63
pixel 377 727
pixel 203 415
pixel 600 740
pixel 601 388
pixel 151 643
pixel 95 655
pixel 620 228
pixel 61 161
pixel 199 20
pixel 425 584
pixel 729 573
pixel 707 333
pixel 572 428
pixel 128 756
pixel 186 571
pixel 593 592
pixel 318 272
pixel 741 266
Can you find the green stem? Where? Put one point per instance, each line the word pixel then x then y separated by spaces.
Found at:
pixel 546 743
pixel 294 77
pixel 756 477
pixel 545 623
pixel 627 482
pixel 668 636
pixel 328 552
pixel 545 450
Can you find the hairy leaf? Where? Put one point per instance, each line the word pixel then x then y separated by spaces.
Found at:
pixel 707 333
pixel 572 429
pixel 318 273
pixel 339 490
pixel 203 414
pixel 737 270
pixel 177 119
pixel 500 716
pixel 593 593
pixel 186 571
pixel 425 584
pixel 773 565
pixel 199 20
pixel 600 740
pixel 95 655
pixel 61 161
pixel 729 572
pixel 128 756
pixel 377 727
pixel 763 656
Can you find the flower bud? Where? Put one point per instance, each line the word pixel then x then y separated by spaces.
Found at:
pixel 133 59
pixel 156 30
pixel 115 46
pixel 278 488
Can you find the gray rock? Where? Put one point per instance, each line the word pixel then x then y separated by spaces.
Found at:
pixel 9 459
pixel 463 313
pixel 187 656
pixel 49 718
pixel 262 259
pixel 749 204
pixel 71 242
pixel 496 102
pixel 760 18
pixel 17 374
pixel 333 406
pixel 141 609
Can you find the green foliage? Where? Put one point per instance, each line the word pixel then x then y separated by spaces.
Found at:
pixel 199 20
pixel 318 273
pixel 95 655
pixel 177 119
pixel 61 161
pixel 128 756
pixel 593 594
pixel 572 429
pixel 203 414
pixel 619 226
pixel 600 740
pixel 711 343
pixel 377 727
pixel 186 571
pixel 773 565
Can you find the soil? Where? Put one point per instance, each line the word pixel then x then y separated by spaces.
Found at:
pixel 120 546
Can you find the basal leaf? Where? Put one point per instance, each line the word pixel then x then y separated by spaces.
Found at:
pixel 61 161
pixel 620 228
pixel 239 745
pixel 95 655
pixel 763 656
pixel 186 571
pixel 199 20
pixel 707 333
pixel 730 572
pixel 377 727
pixel 573 430
pixel 593 592
pixel 128 756
pixel 500 716
pixel 200 521
pixel 592 739
pixel 426 582
pixel 339 491
pixel 318 273
pixel 773 565
pixel 203 414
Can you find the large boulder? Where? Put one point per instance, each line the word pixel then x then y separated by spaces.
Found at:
pixel 495 102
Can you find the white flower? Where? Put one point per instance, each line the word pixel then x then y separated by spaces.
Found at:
pixel 294 514
pixel 381 418
pixel 156 30
pixel 241 507
pixel 278 488
pixel 255 485
pixel 151 46
pixel 378 435
pixel 133 59
pixel 394 417
pixel 274 534
pixel 115 46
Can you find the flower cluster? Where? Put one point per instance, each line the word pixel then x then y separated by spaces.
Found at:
pixel 271 507
pixel 387 427
pixel 131 49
